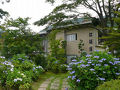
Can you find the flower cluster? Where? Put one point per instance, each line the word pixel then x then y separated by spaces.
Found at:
pixel 92 69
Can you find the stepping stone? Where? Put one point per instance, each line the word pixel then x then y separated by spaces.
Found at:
pixel 42 89
pixel 44 85
pixel 55 85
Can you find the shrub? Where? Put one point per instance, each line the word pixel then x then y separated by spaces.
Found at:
pixel 63 68
pixel 39 59
pixel 18 72
pixel 55 65
pixel 110 85
pixel 92 70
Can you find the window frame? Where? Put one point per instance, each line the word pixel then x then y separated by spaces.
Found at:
pixel 70 38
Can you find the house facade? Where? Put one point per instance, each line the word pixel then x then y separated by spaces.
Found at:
pixel 73 35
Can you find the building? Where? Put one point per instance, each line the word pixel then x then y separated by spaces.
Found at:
pixel 72 34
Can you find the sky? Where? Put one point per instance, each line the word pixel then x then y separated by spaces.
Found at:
pixel 35 9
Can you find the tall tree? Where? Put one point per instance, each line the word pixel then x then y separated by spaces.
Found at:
pixel 18 38
pixel 103 8
pixel 113 38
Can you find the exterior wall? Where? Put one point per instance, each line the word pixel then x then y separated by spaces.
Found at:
pixel 83 34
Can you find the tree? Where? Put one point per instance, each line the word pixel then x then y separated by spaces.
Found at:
pixel 113 38
pixel 2 12
pixel 18 39
pixel 103 8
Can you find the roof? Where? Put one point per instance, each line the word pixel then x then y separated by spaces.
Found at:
pixel 77 21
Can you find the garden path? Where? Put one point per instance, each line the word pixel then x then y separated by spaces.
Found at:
pixel 54 83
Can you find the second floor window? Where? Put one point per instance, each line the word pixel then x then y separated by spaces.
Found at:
pixel 71 37
pixel 90 34
pixel 90 41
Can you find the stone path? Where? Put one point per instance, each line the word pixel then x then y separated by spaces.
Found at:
pixel 54 84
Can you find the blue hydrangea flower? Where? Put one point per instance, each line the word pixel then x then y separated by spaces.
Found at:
pixel 69 76
pixel 89 62
pixel 82 65
pixel 69 68
pixel 87 65
pixel 72 72
pixel 96 56
pixel 97 50
pixel 100 61
pixel 98 64
pixel 116 58
pixel 116 62
pixel 73 77
pixel 102 79
pixel 110 62
pixel 105 64
pixel 109 52
pixel 117 73
pixel 92 69
pixel 88 55
pixel 104 59
pixel 74 60
pixel 78 80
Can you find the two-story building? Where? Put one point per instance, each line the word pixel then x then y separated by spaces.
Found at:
pixel 72 34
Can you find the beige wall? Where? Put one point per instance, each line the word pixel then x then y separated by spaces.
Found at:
pixel 82 33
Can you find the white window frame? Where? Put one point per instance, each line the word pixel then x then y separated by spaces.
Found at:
pixel 71 37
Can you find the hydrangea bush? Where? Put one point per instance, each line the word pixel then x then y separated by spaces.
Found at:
pixel 91 70
pixel 18 72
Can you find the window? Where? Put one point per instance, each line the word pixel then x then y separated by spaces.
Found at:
pixel 90 41
pixel 90 48
pixel 90 34
pixel 72 37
